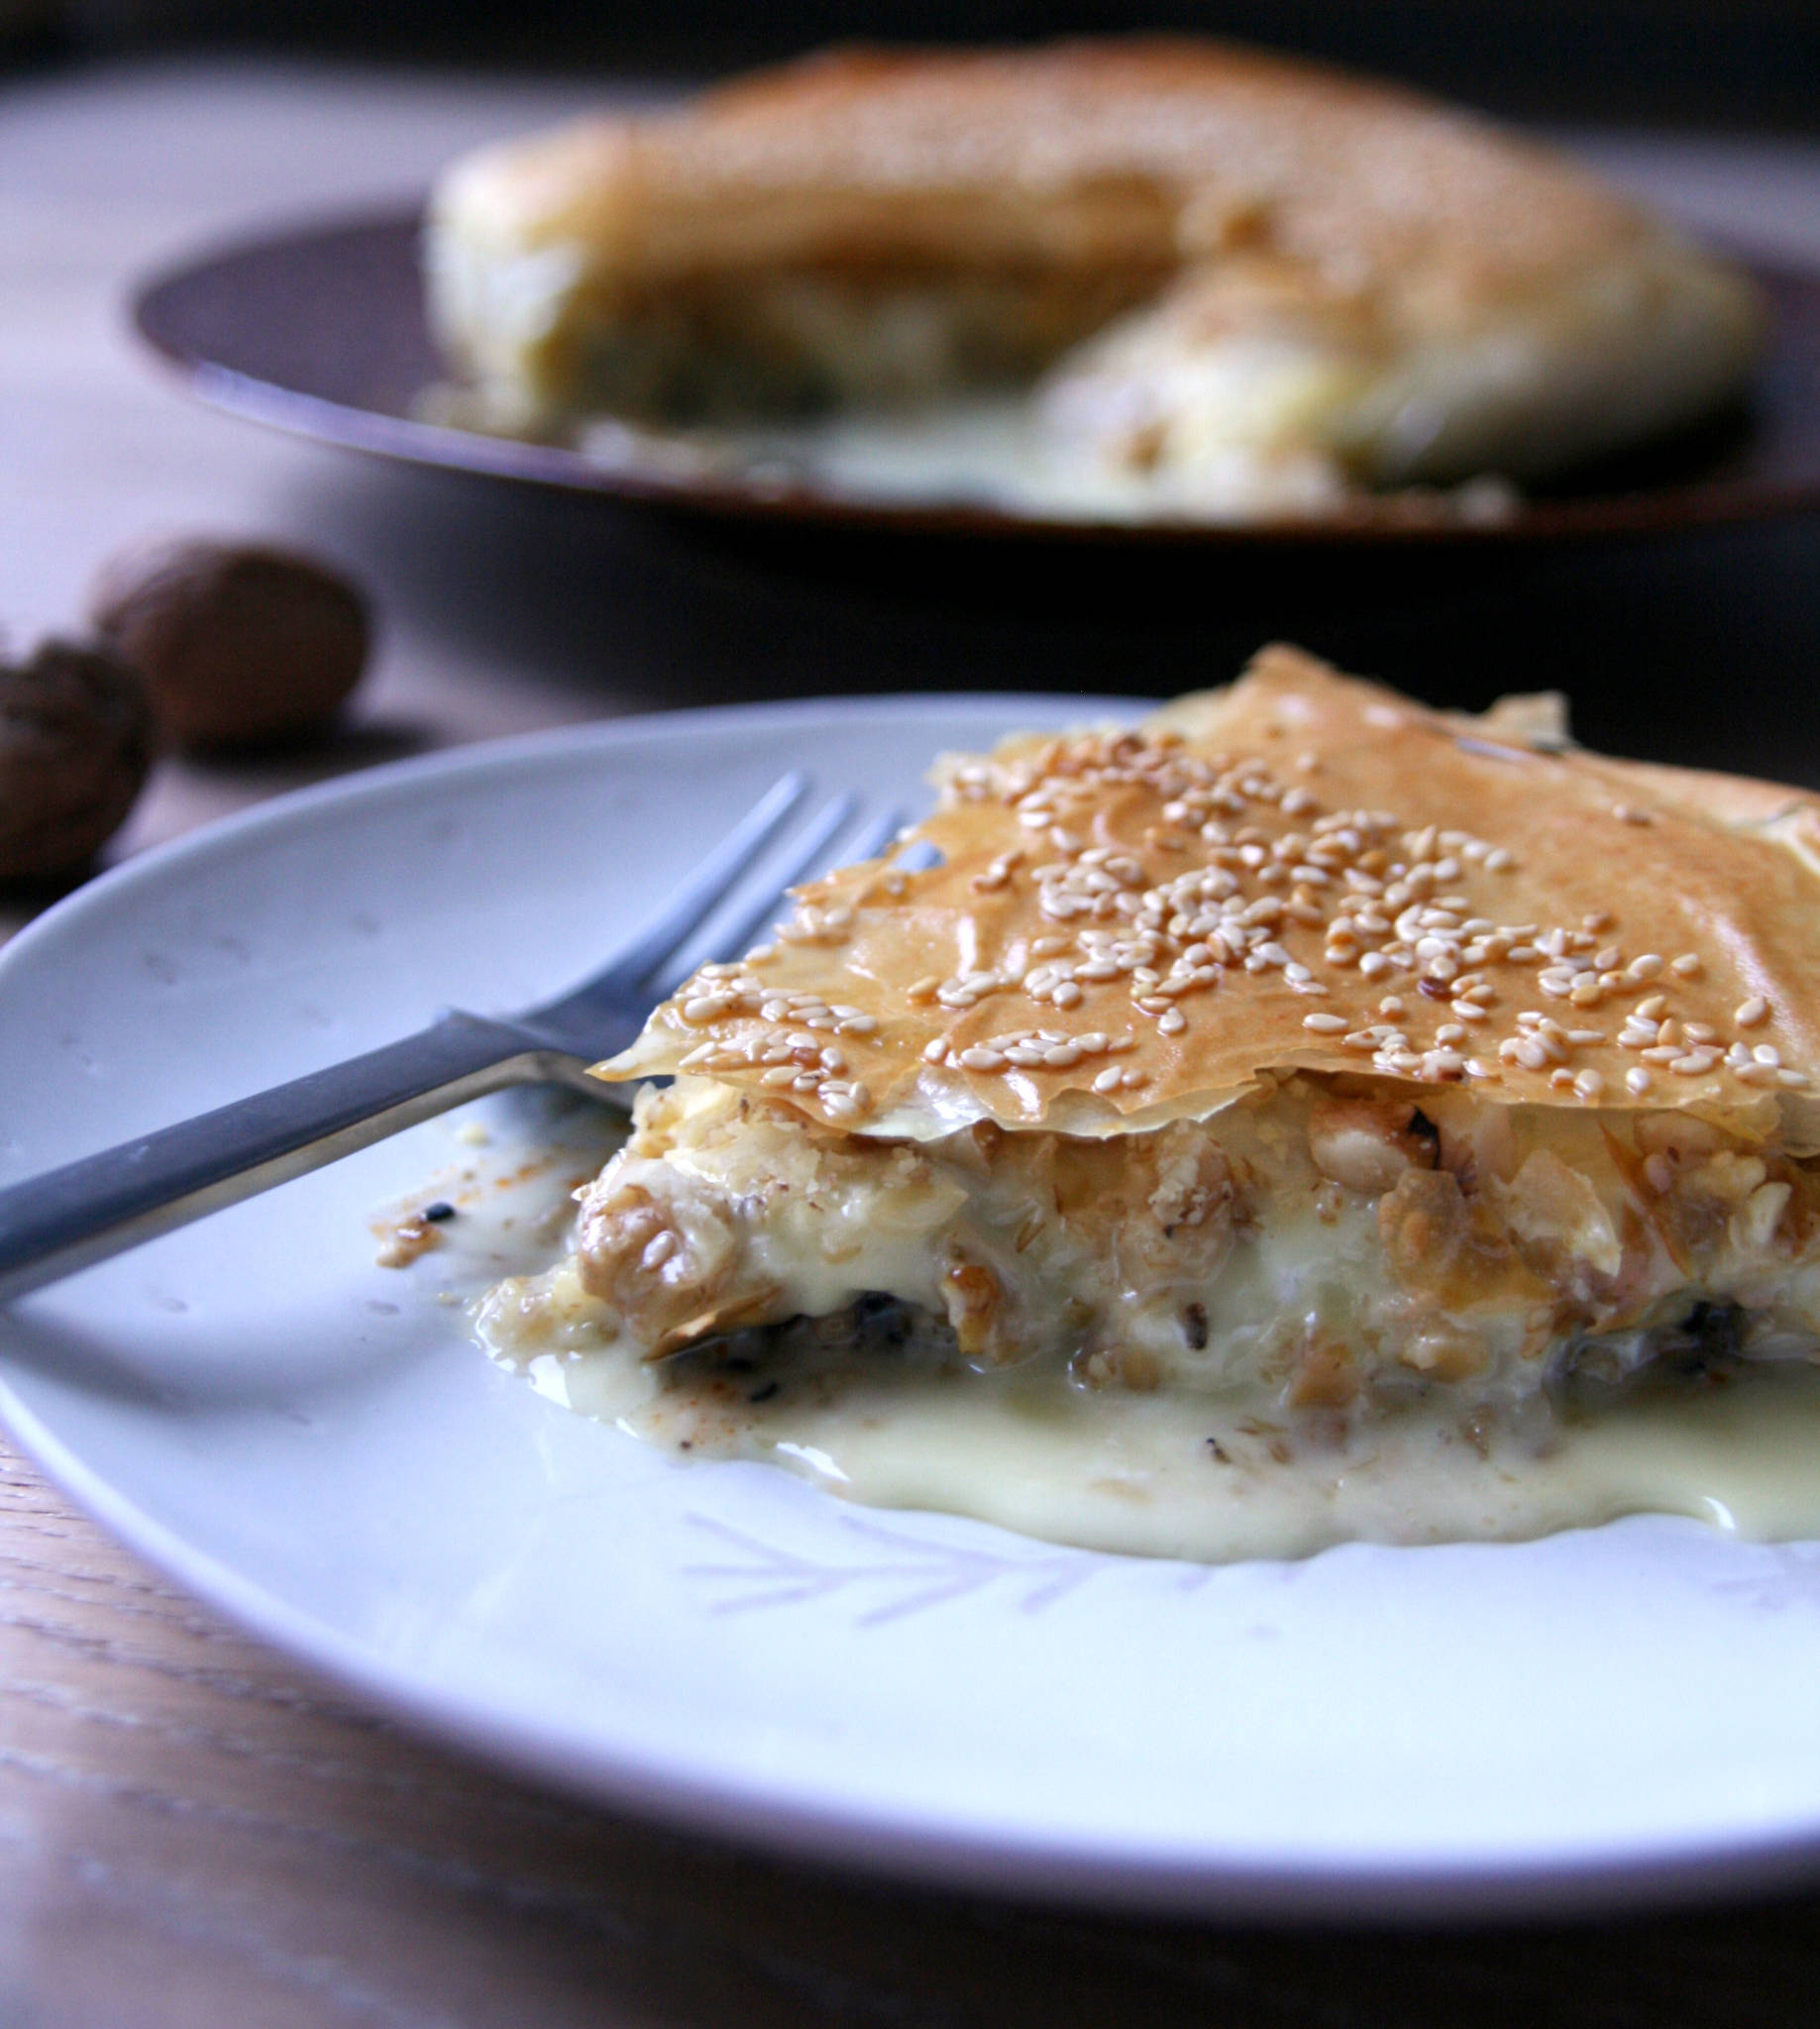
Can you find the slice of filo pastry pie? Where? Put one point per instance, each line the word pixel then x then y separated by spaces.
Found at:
pixel 1300 1055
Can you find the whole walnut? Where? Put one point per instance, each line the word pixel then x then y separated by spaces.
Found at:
pixel 76 742
pixel 239 644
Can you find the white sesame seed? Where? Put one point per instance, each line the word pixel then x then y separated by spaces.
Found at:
pixel 1791 1076
pixel 659 1250
pixel 1637 1080
pixel 1324 1025
pixel 1109 1079
pixel 778 1074
pixel 1590 1085
pixel 979 1058
pixel 1767 1053
pixel 1688 965
pixel 1751 1013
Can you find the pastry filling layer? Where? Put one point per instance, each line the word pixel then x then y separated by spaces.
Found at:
pixel 1323 1254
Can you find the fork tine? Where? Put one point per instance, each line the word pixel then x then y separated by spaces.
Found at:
pixel 806 855
pixel 808 858
pixel 871 844
pixel 687 907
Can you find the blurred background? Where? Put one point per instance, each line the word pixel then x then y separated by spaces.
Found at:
pixel 1712 61
pixel 136 135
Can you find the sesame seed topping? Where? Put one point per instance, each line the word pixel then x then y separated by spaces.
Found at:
pixel 1201 873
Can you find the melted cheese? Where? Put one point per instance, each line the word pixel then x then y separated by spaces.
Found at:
pixel 1187 1345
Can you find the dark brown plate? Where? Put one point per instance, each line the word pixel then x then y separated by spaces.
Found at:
pixel 320 330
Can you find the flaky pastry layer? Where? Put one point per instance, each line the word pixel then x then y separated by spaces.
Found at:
pixel 1300 872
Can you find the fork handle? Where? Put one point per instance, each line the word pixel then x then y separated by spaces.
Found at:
pixel 52 1224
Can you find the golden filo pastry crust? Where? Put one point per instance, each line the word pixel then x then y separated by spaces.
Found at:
pixel 1301 872
pixel 1209 246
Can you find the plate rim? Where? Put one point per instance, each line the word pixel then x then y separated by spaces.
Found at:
pixel 1687 506
pixel 757 1812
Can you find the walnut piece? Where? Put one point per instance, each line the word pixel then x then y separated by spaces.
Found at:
pixel 239 644
pixel 76 742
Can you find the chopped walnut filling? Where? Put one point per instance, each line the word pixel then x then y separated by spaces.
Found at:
pixel 1324 1246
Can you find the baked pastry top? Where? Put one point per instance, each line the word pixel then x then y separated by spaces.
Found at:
pixel 1198 251
pixel 1302 872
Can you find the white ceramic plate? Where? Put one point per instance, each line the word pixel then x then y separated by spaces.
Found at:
pixel 309 1442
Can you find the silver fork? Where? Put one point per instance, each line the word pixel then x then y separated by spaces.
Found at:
pixel 67 1219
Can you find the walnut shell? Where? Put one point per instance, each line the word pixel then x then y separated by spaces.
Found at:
pixel 239 644
pixel 76 742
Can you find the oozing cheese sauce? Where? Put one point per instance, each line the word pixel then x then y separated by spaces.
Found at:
pixel 1164 1475
pixel 990 452
pixel 995 453
pixel 1167 1473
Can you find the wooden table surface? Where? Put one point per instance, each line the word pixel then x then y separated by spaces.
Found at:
pixel 194 1831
